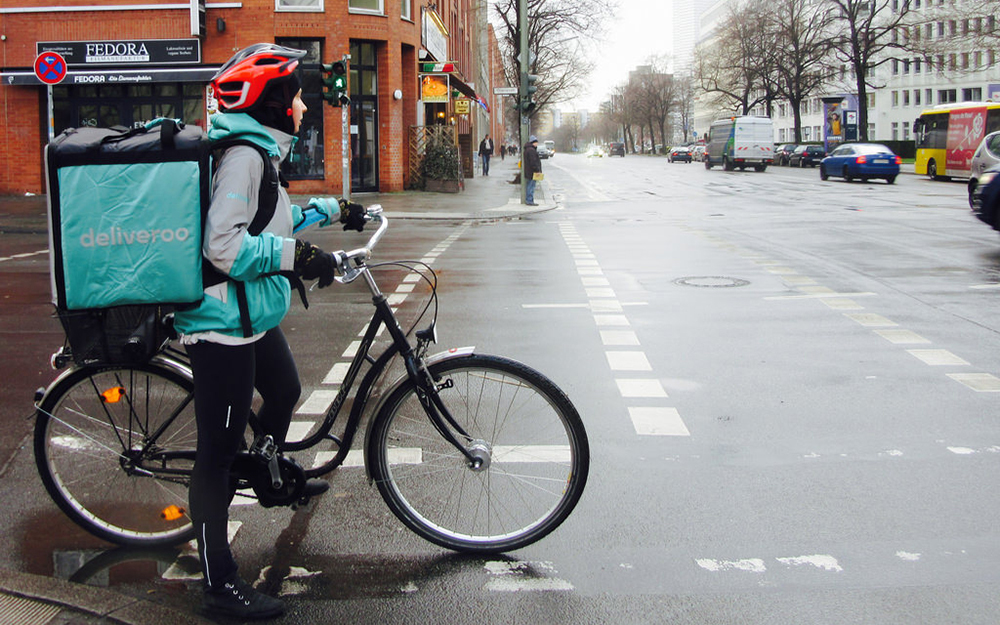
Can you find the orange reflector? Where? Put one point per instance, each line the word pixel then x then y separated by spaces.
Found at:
pixel 113 395
pixel 172 513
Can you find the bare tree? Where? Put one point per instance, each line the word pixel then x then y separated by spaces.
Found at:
pixel 803 37
pixel 734 67
pixel 685 104
pixel 870 36
pixel 657 96
pixel 557 30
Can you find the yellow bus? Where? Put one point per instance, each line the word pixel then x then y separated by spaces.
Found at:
pixel 947 136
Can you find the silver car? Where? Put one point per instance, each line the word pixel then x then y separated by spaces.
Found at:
pixel 987 155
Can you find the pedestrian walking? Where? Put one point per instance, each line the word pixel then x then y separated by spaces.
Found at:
pixel 532 169
pixel 486 151
pixel 503 151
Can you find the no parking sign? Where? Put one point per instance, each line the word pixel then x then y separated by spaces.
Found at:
pixel 50 68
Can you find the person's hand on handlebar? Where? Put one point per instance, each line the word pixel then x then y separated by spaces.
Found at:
pixel 313 263
pixel 352 215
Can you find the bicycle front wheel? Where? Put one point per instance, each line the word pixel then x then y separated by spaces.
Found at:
pixel 533 446
pixel 114 447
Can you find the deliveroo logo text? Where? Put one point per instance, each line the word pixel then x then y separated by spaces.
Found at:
pixel 117 236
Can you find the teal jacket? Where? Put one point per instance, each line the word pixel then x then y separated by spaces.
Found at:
pixel 226 244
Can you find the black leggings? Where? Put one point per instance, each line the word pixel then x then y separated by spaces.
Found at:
pixel 224 380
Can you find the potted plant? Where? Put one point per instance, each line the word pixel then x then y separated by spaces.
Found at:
pixel 440 167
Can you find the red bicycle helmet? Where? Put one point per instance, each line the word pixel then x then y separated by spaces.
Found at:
pixel 239 84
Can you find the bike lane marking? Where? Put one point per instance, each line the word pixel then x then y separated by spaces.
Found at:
pixel 612 323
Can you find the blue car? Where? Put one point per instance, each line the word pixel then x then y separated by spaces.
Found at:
pixel 861 161
pixel 986 197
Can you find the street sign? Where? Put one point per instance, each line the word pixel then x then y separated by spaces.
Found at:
pixel 462 107
pixel 504 90
pixel 50 68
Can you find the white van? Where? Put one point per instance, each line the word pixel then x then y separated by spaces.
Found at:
pixel 740 142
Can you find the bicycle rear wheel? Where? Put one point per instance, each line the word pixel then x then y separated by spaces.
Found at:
pixel 114 447
pixel 532 440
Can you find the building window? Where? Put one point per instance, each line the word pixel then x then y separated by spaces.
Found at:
pixel 906 131
pixel 906 97
pixel 917 63
pixel 972 95
pixel 406 9
pixel 947 96
pixel 895 99
pixel 929 96
pixel 871 100
pixel 895 131
pixel 306 161
pixel 366 6
pixel 916 97
pixel 298 5
pixel 895 67
pixel 806 133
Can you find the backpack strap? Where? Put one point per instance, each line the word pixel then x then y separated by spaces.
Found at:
pixel 267 203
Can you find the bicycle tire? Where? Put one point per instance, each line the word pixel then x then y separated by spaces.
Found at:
pixel 538 449
pixel 94 452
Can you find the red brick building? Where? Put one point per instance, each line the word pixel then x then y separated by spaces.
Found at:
pixel 129 63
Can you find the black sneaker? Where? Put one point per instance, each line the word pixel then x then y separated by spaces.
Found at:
pixel 315 487
pixel 238 599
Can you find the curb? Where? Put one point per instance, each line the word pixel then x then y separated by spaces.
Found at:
pixel 105 605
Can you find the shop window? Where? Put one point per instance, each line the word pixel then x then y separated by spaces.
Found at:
pixel 298 5
pixel 307 159
pixel 366 6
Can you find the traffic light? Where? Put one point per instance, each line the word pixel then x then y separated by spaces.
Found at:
pixel 528 89
pixel 335 83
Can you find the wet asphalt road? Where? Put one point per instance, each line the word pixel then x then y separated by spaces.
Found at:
pixel 789 385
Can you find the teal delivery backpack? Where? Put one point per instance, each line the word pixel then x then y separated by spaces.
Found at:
pixel 125 214
pixel 126 208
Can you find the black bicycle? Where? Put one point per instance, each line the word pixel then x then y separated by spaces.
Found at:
pixel 473 452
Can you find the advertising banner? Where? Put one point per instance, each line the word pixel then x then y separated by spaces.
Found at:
pixel 965 131
pixel 434 88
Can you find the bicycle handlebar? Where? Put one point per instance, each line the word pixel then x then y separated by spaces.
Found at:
pixel 343 258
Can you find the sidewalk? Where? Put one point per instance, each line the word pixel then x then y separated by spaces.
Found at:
pixel 27 599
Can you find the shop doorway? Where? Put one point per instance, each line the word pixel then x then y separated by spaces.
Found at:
pixel 364 117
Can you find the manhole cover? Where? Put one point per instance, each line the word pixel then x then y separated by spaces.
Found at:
pixel 710 281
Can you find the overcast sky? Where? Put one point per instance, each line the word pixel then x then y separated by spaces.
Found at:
pixel 641 28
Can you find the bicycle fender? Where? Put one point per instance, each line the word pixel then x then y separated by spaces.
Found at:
pixel 454 352
pixel 159 359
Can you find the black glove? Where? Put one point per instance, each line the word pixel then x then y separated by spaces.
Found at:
pixel 311 263
pixel 352 215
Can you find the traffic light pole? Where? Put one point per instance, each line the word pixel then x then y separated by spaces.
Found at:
pixel 525 129
pixel 345 142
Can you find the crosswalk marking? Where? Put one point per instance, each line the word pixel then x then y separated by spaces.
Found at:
pixel 938 357
pixel 657 421
pixel 641 387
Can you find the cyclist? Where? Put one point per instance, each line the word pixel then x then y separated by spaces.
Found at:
pixel 259 100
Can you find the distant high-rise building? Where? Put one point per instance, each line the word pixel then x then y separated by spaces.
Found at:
pixel 687 15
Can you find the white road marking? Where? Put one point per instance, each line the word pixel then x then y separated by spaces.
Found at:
pixel 523 577
pixel 405 288
pixel 871 320
pixel 298 430
pixel 901 337
pixel 980 382
pixel 611 320
pixel 751 565
pixel 395 299
pixel 842 303
pixel 822 293
pixel 605 306
pixel 825 562
pixel 938 357
pixel 640 387
pixel 628 361
pixel 351 350
pixel 657 421
pixel 337 373
pixel 619 337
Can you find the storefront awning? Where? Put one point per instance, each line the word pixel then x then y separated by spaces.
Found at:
pixel 109 76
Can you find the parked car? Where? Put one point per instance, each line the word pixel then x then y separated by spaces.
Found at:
pixel 698 153
pixel 679 155
pixel 616 148
pixel 782 152
pixel 986 197
pixel 543 152
pixel 987 155
pixel 862 161
pixel 594 151
pixel 804 155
